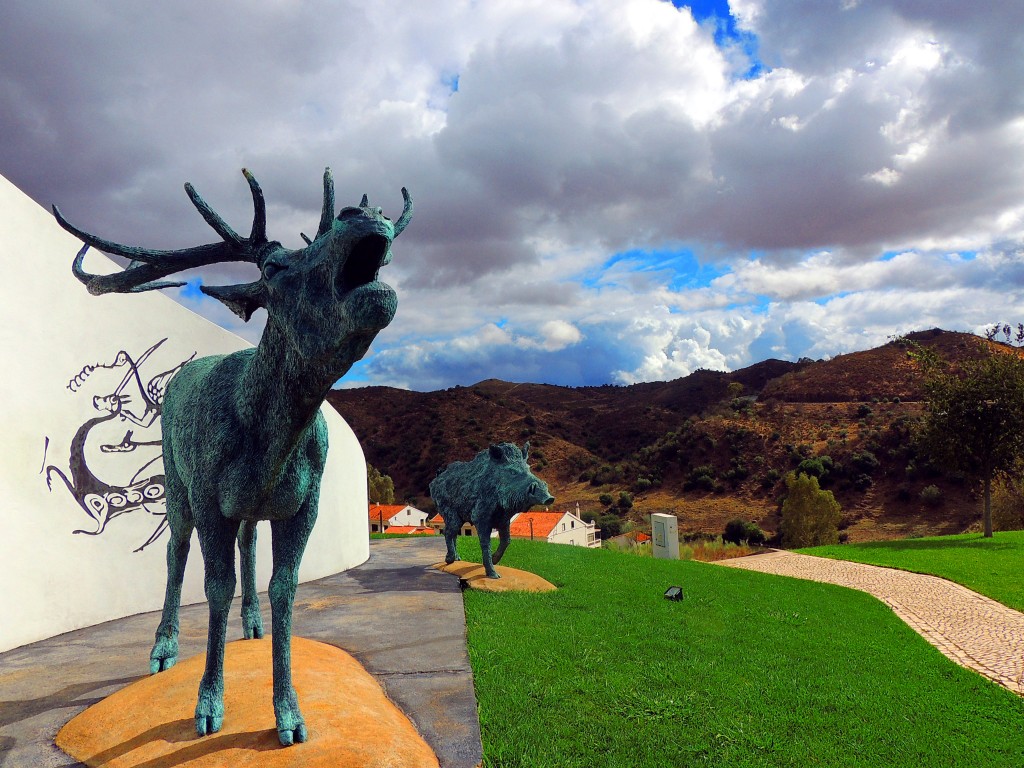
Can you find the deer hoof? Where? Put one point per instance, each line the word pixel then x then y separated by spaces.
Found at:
pixel 208 724
pixel 252 623
pixel 291 728
pixel 295 736
pixel 164 654
pixel 209 709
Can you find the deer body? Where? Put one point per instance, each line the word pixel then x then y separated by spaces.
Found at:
pixel 243 437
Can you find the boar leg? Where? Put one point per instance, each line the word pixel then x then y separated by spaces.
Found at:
pixel 503 539
pixel 450 534
pixel 484 532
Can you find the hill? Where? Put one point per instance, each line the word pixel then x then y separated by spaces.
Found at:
pixel 707 447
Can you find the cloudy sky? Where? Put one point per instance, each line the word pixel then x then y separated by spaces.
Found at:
pixel 607 191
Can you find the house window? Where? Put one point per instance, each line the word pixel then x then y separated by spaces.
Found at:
pixel 572 523
pixel 571 541
pixel 563 526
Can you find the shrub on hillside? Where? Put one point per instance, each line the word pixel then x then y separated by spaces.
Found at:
pixel 931 495
pixel 606 499
pixel 1008 502
pixel 810 516
pixel 817 467
pixel 738 531
pixel 865 461
pixel 702 477
pixel 642 484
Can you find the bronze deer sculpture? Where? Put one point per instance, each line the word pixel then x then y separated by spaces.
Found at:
pixel 243 438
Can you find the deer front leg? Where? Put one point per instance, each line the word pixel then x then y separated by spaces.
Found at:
pixel 289 542
pixel 179 519
pixel 217 536
pixel 252 621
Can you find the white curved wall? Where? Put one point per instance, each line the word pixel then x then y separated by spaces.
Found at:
pixel 53 580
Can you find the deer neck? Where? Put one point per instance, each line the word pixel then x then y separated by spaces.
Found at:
pixel 281 393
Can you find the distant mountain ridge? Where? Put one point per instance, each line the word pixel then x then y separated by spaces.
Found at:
pixel 742 429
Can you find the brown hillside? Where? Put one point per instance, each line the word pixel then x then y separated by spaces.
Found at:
pixel 689 446
pixel 884 372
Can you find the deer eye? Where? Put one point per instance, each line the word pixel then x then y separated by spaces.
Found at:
pixel 271 268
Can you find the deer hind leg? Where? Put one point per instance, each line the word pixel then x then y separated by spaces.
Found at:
pixel 217 537
pixel 289 542
pixel 252 621
pixel 179 520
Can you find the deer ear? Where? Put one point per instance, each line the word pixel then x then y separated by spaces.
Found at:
pixel 526 450
pixel 242 299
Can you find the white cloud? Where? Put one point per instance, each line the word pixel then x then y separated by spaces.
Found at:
pixel 578 130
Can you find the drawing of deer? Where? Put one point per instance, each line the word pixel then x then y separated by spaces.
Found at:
pixel 243 437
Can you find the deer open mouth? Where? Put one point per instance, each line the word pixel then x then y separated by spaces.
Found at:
pixel 363 263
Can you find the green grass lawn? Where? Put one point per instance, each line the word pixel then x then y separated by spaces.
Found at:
pixel 993 567
pixel 749 670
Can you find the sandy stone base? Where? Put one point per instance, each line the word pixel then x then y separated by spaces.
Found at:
pixel 512 579
pixel 150 723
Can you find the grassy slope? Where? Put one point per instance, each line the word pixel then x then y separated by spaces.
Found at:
pixel 992 567
pixel 749 670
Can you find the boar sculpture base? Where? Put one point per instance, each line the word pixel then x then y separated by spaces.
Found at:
pixel 487 491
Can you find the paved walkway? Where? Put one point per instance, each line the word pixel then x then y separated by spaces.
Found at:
pixel 403 621
pixel 972 630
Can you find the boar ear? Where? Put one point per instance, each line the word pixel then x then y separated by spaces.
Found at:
pixel 526 450
pixel 496 453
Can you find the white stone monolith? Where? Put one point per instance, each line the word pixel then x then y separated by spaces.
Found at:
pixel 665 536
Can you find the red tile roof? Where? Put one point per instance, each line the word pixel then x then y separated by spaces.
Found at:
pixel 436 519
pixel 543 524
pixel 386 511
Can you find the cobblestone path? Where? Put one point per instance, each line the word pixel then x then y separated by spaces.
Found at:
pixel 971 629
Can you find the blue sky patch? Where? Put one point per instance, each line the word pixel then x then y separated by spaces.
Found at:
pixel 681 268
pixel 451 81
pixel 718 14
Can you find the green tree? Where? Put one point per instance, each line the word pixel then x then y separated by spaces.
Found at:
pixel 810 516
pixel 380 487
pixel 975 418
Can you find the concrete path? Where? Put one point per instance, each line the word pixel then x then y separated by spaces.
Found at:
pixel 972 630
pixel 403 621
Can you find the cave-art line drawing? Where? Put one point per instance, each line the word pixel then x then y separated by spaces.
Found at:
pixel 131 402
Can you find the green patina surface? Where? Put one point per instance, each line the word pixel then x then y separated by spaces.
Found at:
pixel 243 438
pixel 487 491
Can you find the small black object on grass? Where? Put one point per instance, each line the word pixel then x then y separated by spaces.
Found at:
pixel 674 593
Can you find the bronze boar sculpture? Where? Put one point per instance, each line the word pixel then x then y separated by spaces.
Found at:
pixel 243 437
pixel 488 492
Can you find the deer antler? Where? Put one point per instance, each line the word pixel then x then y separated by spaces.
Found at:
pixel 406 217
pixel 148 266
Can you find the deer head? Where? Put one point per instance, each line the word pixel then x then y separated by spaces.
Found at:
pixel 322 299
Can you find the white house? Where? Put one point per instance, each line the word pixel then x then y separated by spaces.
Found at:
pixel 383 516
pixel 556 528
